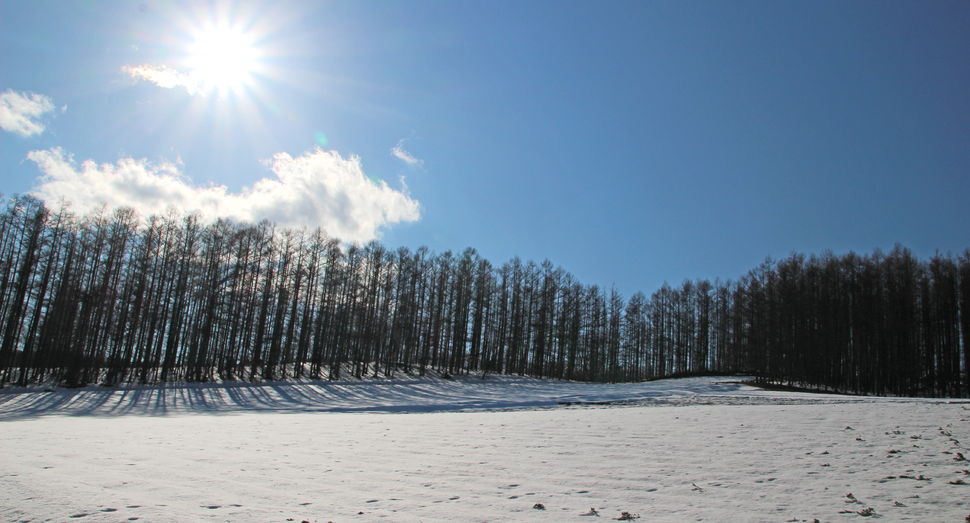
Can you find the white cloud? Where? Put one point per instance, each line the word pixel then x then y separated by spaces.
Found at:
pixel 398 150
pixel 319 188
pixel 163 77
pixel 19 111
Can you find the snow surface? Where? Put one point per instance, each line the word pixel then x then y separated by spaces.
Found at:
pixel 469 450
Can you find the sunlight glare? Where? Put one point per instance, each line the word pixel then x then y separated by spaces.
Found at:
pixel 222 58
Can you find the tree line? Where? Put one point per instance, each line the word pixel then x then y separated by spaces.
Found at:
pixel 109 297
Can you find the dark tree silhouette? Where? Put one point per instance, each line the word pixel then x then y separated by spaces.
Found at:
pixel 109 297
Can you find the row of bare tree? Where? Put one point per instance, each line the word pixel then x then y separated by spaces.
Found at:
pixel 110 297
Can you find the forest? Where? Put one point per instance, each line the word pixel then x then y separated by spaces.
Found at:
pixel 111 297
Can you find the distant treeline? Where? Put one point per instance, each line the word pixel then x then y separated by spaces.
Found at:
pixel 109 297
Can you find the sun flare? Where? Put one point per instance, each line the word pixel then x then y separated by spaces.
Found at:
pixel 222 58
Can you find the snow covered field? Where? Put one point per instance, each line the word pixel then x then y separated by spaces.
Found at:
pixel 469 450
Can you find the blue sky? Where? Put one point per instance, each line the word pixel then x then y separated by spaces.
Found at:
pixel 629 142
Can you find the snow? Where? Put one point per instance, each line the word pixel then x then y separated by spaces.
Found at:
pixel 468 449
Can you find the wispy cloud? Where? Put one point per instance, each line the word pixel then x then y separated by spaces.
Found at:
pixel 398 150
pixel 163 77
pixel 319 188
pixel 19 112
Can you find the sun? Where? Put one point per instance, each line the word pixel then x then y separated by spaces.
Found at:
pixel 222 58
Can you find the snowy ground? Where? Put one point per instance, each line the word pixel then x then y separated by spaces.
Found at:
pixel 470 450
